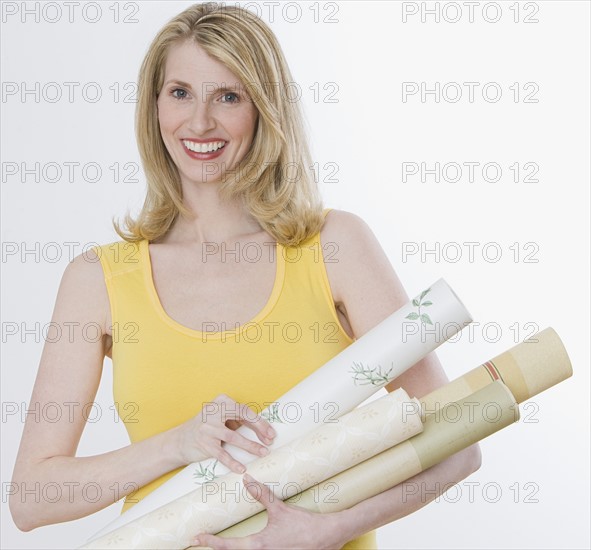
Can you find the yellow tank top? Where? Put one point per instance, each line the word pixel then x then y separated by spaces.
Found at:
pixel 164 372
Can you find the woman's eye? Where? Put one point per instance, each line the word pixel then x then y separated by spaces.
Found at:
pixel 182 94
pixel 233 98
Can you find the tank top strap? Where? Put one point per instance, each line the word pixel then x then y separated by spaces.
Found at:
pixel 326 253
pixel 118 257
pixel 321 251
pixel 307 255
pixel 306 277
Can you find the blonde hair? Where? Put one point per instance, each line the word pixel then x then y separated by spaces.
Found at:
pixel 288 206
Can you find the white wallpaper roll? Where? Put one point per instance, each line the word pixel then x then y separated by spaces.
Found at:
pixel 348 379
pixel 443 435
pixel 329 449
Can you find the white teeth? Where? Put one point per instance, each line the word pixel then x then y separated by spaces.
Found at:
pixel 203 147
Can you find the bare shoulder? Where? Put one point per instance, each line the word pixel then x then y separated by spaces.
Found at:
pixel 359 266
pixel 344 224
pixel 83 282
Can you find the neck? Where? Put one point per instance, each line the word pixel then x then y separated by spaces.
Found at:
pixel 214 220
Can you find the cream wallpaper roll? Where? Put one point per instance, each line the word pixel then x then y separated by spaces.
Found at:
pixel 348 379
pixel 323 452
pixel 527 369
pixel 459 425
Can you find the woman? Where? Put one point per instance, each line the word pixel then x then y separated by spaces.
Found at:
pixel 220 294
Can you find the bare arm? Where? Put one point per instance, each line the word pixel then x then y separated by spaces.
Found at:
pixel 367 289
pixel 69 374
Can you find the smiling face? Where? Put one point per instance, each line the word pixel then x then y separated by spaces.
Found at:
pixel 207 120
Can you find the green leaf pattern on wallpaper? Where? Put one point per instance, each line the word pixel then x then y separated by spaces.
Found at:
pixel 363 375
pixel 205 474
pixel 272 414
pixel 366 375
pixel 418 303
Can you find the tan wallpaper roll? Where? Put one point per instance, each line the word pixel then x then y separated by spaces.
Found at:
pixel 290 469
pixel 536 364
pixel 484 412
pixel 527 369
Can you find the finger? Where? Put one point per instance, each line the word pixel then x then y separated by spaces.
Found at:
pixel 258 424
pixel 217 435
pixel 260 492
pixel 238 440
pixel 209 541
pixel 220 543
pixel 245 415
pixel 228 460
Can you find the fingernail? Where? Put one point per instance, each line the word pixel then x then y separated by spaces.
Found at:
pixel 242 469
pixel 264 451
pixel 248 478
pixel 271 432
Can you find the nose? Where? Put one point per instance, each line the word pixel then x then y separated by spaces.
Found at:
pixel 202 119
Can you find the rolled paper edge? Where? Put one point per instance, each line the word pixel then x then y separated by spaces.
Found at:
pixel 542 360
pixel 434 444
pixel 442 281
pixel 405 460
pixel 528 368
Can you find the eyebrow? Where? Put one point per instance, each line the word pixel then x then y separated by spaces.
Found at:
pixel 213 91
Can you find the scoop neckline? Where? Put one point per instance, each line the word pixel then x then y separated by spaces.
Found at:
pixel 239 330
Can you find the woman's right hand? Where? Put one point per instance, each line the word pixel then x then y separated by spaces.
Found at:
pixel 202 436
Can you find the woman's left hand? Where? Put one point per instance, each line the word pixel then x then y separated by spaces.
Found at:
pixel 287 527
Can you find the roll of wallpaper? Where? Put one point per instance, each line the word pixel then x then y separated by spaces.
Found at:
pixel 534 365
pixel 459 425
pixel 325 451
pixel 348 379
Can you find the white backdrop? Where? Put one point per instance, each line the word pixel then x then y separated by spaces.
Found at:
pixel 361 68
